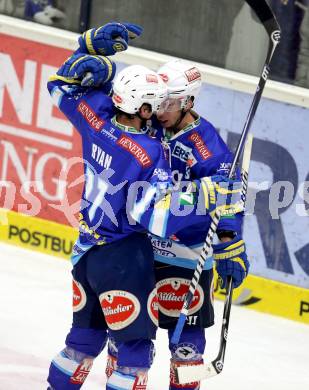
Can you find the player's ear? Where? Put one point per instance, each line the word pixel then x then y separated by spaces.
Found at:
pixel 190 103
pixel 145 111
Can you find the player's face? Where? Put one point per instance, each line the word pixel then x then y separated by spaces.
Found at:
pixel 169 114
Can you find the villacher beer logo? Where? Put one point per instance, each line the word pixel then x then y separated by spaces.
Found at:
pixel 152 306
pixel 79 296
pixel 171 294
pixel 120 308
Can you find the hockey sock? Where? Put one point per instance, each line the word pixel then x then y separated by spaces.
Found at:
pixel 187 386
pixel 69 369
pixel 128 364
pixel 111 365
pixel 189 351
pixel 128 378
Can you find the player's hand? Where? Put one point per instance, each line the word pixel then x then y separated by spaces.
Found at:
pixel 222 193
pixel 231 260
pixel 88 70
pixel 108 39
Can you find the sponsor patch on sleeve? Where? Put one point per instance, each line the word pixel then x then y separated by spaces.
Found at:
pixel 136 150
pixel 199 144
pixel 90 116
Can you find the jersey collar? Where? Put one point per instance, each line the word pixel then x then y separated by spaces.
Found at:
pixel 127 129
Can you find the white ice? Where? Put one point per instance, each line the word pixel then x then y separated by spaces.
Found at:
pixel 263 352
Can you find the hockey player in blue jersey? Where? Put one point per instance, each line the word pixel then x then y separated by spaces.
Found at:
pixel 127 178
pixel 196 150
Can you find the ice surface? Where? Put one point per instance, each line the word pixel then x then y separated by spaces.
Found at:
pixel 263 352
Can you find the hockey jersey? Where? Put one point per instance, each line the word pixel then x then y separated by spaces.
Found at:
pixel 126 172
pixel 195 151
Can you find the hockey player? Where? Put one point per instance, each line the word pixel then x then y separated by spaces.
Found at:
pixel 126 171
pixel 196 150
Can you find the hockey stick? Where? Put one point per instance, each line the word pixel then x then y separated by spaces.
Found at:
pixel 268 20
pixel 188 374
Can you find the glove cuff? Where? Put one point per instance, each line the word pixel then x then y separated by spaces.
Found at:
pixel 229 245
pixel 86 42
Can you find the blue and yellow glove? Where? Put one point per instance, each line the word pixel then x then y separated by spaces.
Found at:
pixel 221 193
pixel 231 260
pixel 87 70
pixel 108 39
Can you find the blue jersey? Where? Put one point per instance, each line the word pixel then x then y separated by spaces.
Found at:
pixel 195 152
pixel 125 172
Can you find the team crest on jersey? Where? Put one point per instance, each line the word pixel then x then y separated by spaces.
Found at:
pixel 79 296
pixel 120 308
pixel 152 306
pixel 171 294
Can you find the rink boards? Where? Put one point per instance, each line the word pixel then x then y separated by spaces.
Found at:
pixel 55 239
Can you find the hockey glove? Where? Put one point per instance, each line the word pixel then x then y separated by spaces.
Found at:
pixel 221 193
pixel 109 39
pixel 231 260
pixel 88 70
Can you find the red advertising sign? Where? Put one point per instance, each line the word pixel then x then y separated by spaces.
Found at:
pixel 37 143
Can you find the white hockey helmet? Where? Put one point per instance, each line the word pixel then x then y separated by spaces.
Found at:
pixel 183 80
pixel 136 85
